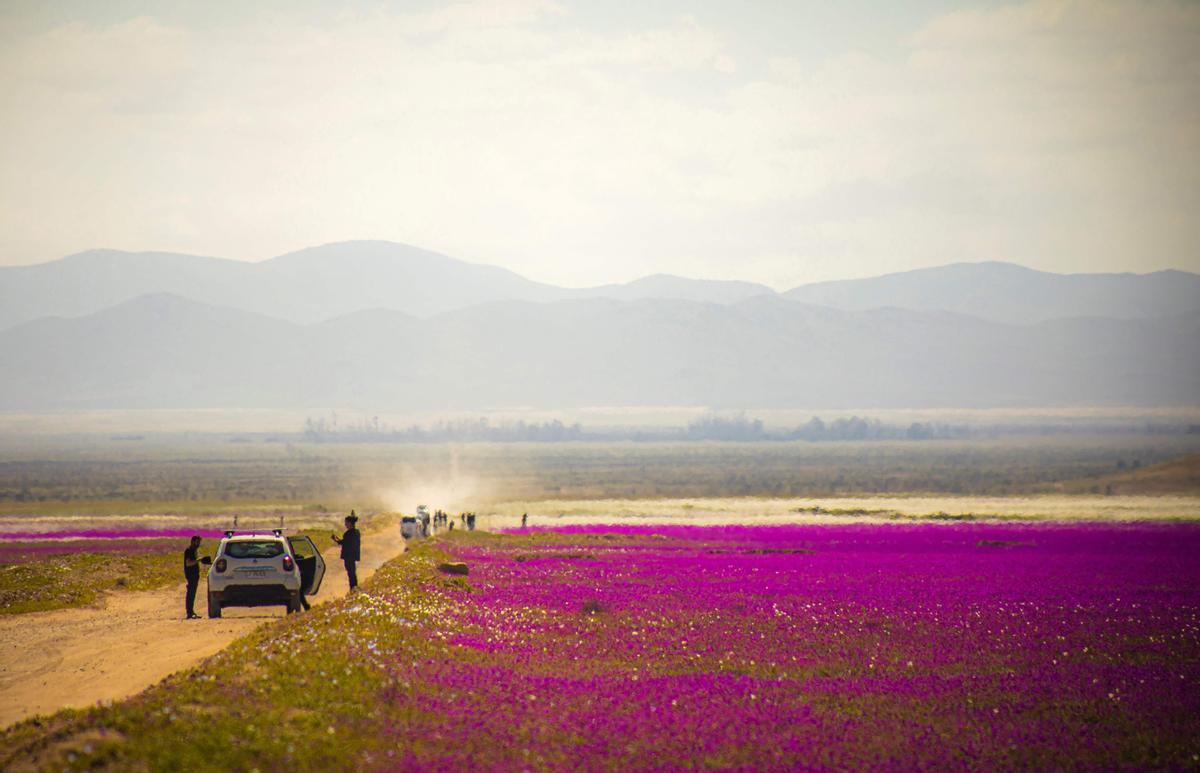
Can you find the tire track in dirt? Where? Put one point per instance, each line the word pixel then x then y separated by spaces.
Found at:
pixel 79 657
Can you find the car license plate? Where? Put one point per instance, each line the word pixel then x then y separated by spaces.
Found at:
pixel 254 572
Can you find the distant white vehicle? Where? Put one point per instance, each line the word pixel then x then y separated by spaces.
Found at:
pixel 410 527
pixel 263 569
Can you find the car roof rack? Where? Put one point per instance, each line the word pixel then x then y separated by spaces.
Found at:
pixel 233 530
pixel 254 532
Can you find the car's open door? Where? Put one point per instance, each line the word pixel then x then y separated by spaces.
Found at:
pixel 307 555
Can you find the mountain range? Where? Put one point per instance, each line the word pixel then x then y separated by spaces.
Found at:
pixel 325 282
pixel 309 285
pixel 381 326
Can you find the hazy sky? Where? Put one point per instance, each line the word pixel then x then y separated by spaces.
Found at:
pixel 587 142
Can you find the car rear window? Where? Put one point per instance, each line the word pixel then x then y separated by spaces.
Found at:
pixel 249 549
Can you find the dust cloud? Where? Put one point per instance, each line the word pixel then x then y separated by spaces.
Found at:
pixel 448 489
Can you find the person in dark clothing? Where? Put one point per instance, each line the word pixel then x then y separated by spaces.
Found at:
pixel 351 542
pixel 191 573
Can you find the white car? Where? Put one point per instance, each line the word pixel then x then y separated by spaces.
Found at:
pixel 410 527
pixel 263 569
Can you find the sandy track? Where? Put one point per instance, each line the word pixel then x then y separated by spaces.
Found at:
pixel 78 657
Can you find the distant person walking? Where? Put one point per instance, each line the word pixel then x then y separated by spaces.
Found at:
pixel 351 542
pixel 524 520
pixel 191 573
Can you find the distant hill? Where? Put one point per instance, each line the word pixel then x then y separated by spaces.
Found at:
pixel 1178 476
pixel 307 286
pixel 1003 292
pixel 163 351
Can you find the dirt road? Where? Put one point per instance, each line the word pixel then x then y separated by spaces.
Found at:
pixel 78 657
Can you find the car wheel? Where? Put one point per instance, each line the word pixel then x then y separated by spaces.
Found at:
pixel 293 604
pixel 214 606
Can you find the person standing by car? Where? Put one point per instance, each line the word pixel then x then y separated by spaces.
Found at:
pixel 191 573
pixel 351 542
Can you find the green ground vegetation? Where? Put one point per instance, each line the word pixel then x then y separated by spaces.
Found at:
pixel 61 580
pixel 271 695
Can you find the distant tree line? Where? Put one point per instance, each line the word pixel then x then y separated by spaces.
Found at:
pixel 720 427
pixel 736 427
pixel 321 430
pixel 739 427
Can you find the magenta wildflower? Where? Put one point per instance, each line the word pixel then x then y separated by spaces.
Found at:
pixel 782 647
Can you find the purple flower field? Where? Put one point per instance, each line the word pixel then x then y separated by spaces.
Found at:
pixel 19 552
pixel 25 547
pixel 107 534
pixel 666 647
pixel 776 647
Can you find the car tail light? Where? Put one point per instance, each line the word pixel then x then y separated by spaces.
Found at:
pixel 288 563
pixel 220 565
